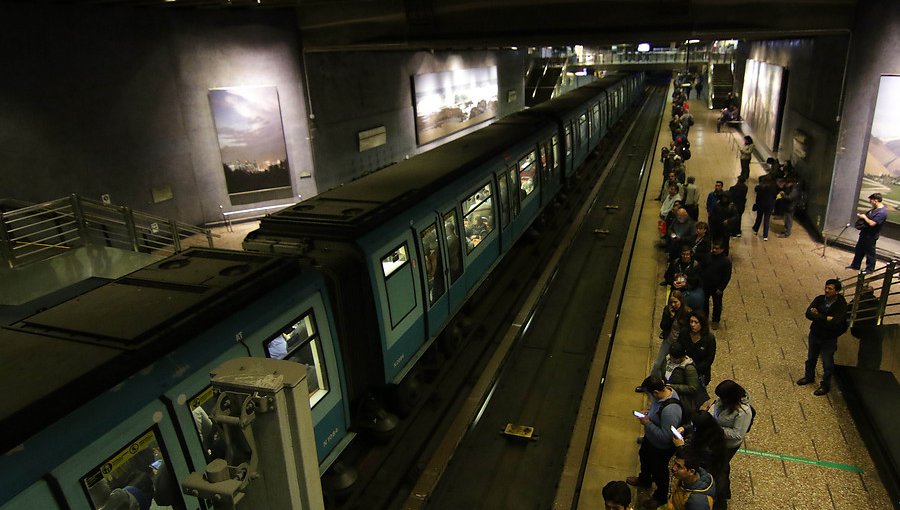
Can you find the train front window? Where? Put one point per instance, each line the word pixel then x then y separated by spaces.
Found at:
pixel 394 261
pixel 138 475
pixel 478 217
pixel 454 250
pixel 527 173
pixel 434 263
pixel 299 342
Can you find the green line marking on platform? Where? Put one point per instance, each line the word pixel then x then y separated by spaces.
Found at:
pixel 802 460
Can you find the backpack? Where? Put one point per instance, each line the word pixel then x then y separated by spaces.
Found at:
pixel 685 414
pixel 685 153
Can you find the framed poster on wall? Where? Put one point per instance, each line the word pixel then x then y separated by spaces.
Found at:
pixel 881 169
pixel 451 101
pixel 251 142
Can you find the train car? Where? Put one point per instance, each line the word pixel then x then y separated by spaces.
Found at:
pixel 406 246
pixel 110 390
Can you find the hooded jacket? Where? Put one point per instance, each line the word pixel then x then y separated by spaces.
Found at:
pixel 699 495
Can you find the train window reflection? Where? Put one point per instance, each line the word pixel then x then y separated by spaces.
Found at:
pixel 137 476
pixel 299 342
pixel 568 141
pixel 454 250
pixel 595 116
pixel 555 141
pixel 582 129
pixel 434 263
pixel 478 217
pixel 394 261
pixel 504 198
pixel 527 173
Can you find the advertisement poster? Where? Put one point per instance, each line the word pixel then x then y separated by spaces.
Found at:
pixel 881 173
pixel 450 101
pixel 251 141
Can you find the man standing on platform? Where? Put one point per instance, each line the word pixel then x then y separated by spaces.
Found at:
pixel 828 320
pixel 696 489
pixel 868 234
pixel 657 448
pixel 716 276
pixel 712 199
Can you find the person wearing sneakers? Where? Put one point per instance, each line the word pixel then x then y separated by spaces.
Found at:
pixel 828 320
pixel 657 448
pixel 869 227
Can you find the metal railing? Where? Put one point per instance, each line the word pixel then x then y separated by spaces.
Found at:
pixel 38 232
pixel 874 296
pixel 655 57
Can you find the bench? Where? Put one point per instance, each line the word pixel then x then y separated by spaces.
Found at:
pixel 873 397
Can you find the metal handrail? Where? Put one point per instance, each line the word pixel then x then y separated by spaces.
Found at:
pixel 40 231
pixel 875 291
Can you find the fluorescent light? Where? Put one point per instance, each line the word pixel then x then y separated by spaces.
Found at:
pixel 643 47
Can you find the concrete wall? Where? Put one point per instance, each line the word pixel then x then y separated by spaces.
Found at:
pixel 875 51
pixel 815 77
pixel 353 92
pixel 114 100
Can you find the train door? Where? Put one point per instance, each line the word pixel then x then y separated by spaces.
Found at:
pixel 504 208
pixel 529 189
pixel 595 123
pixel 434 274
pixel 570 167
pixel 453 251
pixel 482 245
pixel 136 463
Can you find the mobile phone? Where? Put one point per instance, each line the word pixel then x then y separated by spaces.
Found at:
pixel 676 433
pixel 640 414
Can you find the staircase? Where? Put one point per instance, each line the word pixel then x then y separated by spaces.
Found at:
pixel 722 82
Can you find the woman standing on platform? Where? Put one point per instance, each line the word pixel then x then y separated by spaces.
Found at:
pixel 700 345
pixel 732 410
pixel 765 204
pixel 746 154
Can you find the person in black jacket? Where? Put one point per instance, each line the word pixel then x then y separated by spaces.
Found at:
pixel 765 204
pixel 738 195
pixel 684 274
pixel 828 320
pixel 715 276
pixel 700 345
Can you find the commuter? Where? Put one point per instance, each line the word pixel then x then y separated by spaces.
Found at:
pixel 672 217
pixel 669 201
pixel 722 218
pixel 707 439
pixel 700 345
pixel 702 245
pixel 670 180
pixel 746 154
pixel 715 277
pixel 675 126
pixel 828 320
pixel 680 373
pixel 656 448
pixel 687 120
pixel 869 225
pixel 672 325
pixel 695 488
pixel 617 496
pixel 712 199
pixel 738 195
pixel 865 329
pixel 698 86
pixel 692 198
pixel 680 233
pixel 679 169
pixel 764 205
pixel 684 275
pixel 790 197
pixel 732 410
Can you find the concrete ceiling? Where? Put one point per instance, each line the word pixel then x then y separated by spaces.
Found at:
pixel 443 24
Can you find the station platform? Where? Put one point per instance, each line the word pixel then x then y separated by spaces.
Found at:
pixel 803 451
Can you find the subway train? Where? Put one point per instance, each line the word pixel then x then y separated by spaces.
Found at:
pixel 106 396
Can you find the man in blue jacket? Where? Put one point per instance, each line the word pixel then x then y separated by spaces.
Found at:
pixel 828 320
pixel 696 489
pixel 656 447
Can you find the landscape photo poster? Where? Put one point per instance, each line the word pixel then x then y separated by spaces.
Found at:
pixel 251 142
pixel 450 101
pixel 881 173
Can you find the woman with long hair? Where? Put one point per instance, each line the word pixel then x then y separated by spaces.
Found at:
pixel 733 412
pixel 700 345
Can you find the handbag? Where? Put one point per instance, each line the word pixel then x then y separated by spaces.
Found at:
pixel 860 224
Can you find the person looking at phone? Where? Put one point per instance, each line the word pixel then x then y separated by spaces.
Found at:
pixel 872 220
pixel 617 496
pixel 828 320
pixel 657 448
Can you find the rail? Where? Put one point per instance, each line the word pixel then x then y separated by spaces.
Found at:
pixel 874 296
pixel 40 231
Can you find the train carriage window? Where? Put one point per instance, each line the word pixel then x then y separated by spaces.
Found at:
pixel 527 174
pixel 582 129
pixel 546 165
pixel 555 143
pixel 568 142
pixel 299 342
pixel 136 476
pixel 399 284
pixel 454 249
pixel 478 217
pixel 595 115
pixel 434 263
pixel 504 198
pixel 513 175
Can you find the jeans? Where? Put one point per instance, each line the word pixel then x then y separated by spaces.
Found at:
pixel 865 247
pixel 788 222
pixel 745 168
pixel 655 468
pixel 824 348
pixel 723 483
pixel 762 217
